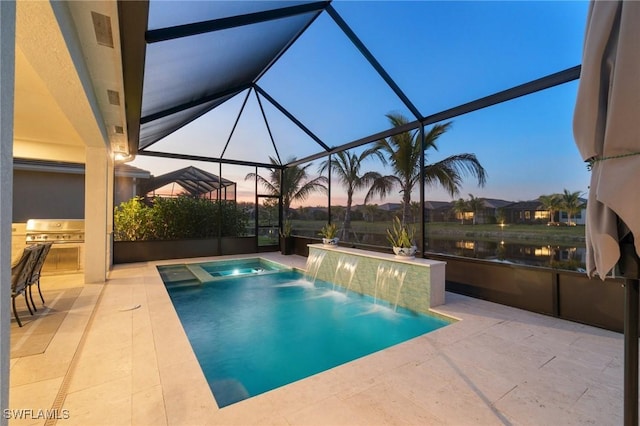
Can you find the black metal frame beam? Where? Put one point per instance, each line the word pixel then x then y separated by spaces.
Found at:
pixel 543 83
pixel 372 60
pixel 233 129
pixel 178 108
pixel 422 192
pixel 208 159
pixel 359 142
pixel 266 123
pixel 133 47
pixel 186 30
pixel 291 117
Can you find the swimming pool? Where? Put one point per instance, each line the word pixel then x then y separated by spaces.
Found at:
pixel 255 333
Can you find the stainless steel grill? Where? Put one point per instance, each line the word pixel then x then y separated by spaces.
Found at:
pixel 57 231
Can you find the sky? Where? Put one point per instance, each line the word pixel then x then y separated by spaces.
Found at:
pixel 440 54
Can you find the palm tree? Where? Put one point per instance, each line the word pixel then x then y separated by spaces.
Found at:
pixel 552 204
pixel 571 203
pixel 460 207
pixel 295 185
pixel 403 152
pixel 415 211
pixel 475 205
pixel 370 211
pixel 346 167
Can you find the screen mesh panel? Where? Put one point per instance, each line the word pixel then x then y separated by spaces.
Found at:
pixel 155 130
pixel 164 13
pixel 187 69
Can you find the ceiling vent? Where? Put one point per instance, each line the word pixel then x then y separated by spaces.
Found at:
pixel 114 97
pixel 102 27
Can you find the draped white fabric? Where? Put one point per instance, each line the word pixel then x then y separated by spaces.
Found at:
pixel 607 128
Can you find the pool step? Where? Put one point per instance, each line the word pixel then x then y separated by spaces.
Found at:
pixel 176 274
pixel 202 275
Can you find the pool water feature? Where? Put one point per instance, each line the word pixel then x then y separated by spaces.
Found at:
pixel 416 284
pixel 202 273
pixel 254 333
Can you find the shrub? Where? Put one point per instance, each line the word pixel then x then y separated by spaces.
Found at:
pixel 177 218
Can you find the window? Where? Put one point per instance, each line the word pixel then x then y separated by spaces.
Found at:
pixel 538 214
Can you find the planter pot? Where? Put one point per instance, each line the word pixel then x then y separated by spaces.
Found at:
pixel 330 242
pixel 405 252
pixel 286 245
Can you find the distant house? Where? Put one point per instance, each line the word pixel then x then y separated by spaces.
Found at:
pixel 527 212
pixel 533 212
pixel 577 218
pixel 390 207
pixel 128 182
pixel 491 210
pixel 438 211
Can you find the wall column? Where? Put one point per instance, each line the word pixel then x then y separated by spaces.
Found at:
pixel 96 259
pixel 7 78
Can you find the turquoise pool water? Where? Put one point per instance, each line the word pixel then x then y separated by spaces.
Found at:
pixel 256 333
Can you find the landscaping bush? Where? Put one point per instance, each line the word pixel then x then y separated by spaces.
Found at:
pixel 182 217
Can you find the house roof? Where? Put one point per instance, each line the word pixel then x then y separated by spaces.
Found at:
pixel 494 203
pixel 525 205
pixel 434 205
pixel 127 170
pixel 194 180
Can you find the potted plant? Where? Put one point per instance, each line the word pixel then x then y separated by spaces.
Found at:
pixel 286 240
pixel 328 233
pixel 401 238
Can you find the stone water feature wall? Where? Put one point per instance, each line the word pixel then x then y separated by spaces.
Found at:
pixel 415 283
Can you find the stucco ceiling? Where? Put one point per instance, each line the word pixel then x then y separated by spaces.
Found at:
pixel 37 114
pixel 62 76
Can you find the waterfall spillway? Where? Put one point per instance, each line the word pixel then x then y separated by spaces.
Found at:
pixel 414 284
pixel 399 276
pixel 387 278
pixel 345 269
pixel 313 265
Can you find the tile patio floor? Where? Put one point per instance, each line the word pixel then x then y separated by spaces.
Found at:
pixel 111 363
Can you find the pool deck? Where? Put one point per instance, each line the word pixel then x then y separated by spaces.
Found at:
pixel 114 363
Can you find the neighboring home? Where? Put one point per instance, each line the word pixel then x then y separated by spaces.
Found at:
pixel 577 218
pixel 526 212
pixel 533 212
pixel 438 211
pixel 492 208
pixel 488 214
pixel 390 207
pixel 129 182
pixel 191 181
